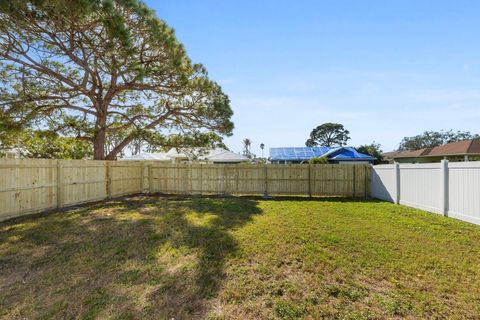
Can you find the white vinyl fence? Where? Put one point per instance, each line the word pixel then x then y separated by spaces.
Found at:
pixel 448 188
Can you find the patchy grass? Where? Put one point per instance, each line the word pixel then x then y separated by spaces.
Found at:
pixel 239 258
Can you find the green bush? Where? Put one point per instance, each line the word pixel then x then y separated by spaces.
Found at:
pixel 318 160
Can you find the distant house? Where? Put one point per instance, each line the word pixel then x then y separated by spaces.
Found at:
pixel 12 153
pixel 304 154
pixel 156 156
pixel 389 156
pixel 468 150
pixel 216 156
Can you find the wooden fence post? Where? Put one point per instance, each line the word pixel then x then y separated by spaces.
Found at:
pixel 225 180
pixel 265 171
pixel 142 169
pixel 59 184
pixel 108 177
pixel 354 180
pixel 150 178
pixel 188 185
pixel 201 179
pixel 368 173
pixel 309 180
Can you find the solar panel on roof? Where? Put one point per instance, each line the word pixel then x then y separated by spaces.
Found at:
pixel 296 154
pixel 307 153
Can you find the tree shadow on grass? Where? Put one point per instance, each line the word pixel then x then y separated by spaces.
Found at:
pixel 143 257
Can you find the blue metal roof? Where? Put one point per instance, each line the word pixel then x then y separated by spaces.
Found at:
pixel 349 153
pixel 307 153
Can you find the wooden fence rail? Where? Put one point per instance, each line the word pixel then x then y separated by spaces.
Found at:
pixel 34 185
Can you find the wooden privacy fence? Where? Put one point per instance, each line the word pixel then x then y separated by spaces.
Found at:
pixel 272 179
pixel 34 185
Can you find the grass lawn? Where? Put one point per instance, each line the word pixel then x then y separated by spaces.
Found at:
pixel 239 258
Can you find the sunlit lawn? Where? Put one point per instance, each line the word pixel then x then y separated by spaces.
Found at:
pixel 239 258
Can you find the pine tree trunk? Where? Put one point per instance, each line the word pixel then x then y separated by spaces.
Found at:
pixel 99 146
pixel 99 139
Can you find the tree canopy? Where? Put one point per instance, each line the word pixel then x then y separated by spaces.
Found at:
pixel 47 144
pixel 106 72
pixel 430 139
pixel 328 135
pixel 373 149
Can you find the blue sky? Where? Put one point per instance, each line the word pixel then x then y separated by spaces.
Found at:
pixel 384 69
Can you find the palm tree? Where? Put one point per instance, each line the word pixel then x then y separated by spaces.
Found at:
pixel 262 146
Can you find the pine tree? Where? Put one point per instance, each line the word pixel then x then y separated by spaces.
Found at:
pixel 105 72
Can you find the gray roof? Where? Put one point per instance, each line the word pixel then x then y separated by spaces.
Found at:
pixel 213 155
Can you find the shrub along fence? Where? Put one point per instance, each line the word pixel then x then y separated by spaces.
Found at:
pixel 35 185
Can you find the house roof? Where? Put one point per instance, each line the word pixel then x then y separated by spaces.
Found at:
pixel 159 156
pixel 214 155
pixel 466 147
pixel 297 153
pixel 307 153
pixel 390 155
pixel 222 155
pixel 348 153
pixel 414 153
pixel 226 156
pixel 461 147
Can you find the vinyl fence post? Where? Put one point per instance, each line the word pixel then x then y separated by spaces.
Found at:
pixel 444 195
pixel 397 182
